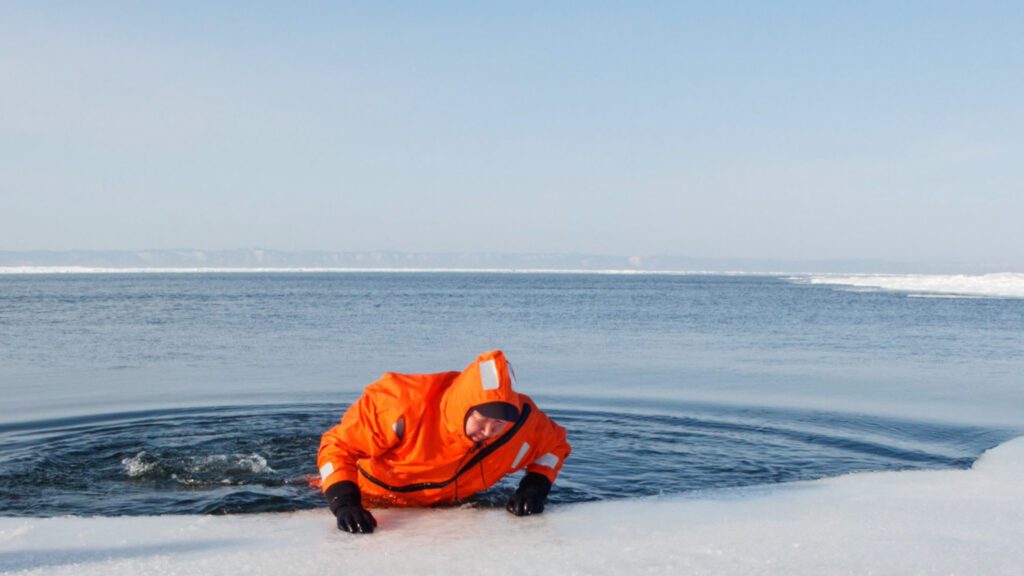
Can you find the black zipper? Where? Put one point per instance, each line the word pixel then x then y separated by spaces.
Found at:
pixel 501 441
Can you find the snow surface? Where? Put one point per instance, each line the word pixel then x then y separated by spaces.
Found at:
pixel 1005 285
pixel 899 523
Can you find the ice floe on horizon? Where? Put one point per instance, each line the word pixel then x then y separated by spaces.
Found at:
pixel 996 285
pixel 240 270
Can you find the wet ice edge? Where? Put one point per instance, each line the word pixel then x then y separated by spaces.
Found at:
pixel 921 522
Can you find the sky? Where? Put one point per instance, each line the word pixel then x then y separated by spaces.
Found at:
pixel 796 130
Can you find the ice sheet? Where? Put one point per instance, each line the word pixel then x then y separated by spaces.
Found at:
pixel 290 270
pixel 1005 285
pixel 924 522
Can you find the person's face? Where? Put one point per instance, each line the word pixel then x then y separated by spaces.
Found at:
pixel 480 428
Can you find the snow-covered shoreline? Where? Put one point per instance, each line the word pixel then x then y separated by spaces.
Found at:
pixel 921 522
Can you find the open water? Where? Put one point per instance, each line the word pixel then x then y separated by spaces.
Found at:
pixel 207 393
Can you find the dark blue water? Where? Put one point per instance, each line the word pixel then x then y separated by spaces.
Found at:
pixel 259 459
pixel 195 393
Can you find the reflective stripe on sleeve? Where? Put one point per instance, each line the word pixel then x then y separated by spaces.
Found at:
pixel 549 460
pixel 326 470
pixel 522 452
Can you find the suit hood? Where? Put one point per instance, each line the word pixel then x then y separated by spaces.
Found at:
pixel 487 379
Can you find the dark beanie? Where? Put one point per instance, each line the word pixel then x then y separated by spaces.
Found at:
pixel 499 410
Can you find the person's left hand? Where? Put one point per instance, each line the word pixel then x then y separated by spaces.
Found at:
pixel 529 497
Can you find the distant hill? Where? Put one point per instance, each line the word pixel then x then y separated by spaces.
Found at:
pixel 251 258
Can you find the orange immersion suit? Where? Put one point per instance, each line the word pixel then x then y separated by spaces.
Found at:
pixel 404 441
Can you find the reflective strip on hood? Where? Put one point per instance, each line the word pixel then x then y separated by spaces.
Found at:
pixel 489 379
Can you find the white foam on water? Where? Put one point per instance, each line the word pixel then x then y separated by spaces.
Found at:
pixel 138 465
pixel 214 463
pixel 142 464
pixel 1001 285
pixel 253 463
pixel 922 522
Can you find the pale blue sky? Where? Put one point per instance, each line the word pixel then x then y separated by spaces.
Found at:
pixel 769 130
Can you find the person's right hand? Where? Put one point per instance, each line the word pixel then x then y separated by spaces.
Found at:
pixel 345 502
pixel 355 519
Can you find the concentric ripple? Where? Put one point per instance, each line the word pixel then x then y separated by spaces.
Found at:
pixel 244 459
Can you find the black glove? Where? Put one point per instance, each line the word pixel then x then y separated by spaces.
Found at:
pixel 346 504
pixel 529 498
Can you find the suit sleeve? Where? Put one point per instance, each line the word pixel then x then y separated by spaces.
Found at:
pixel 551 449
pixel 362 433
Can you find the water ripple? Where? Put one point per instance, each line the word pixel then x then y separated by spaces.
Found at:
pixel 243 459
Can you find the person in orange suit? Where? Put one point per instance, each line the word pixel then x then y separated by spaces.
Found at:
pixel 424 439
